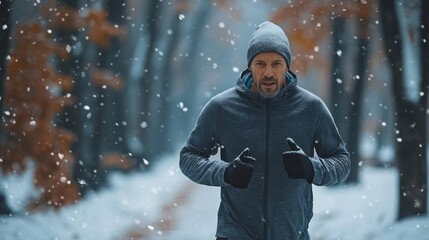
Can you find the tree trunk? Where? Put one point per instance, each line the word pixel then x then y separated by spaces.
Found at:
pixel 355 110
pixel 114 105
pixel 338 107
pixel 165 107
pixel 424 106
pixel 5 9
pixel 146 88
pixel 410 119
pixel 109 113
pixel 184 124
pixel 77 118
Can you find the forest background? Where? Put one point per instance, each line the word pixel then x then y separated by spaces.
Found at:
pixel 92 87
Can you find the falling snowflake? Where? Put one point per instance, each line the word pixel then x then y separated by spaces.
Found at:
pixel 339 53
pixel 181 105
pixel 145 161
pixel 63 179
pixel 81 182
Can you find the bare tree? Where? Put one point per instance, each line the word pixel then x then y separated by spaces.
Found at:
pixel 338 72
pixel 355 99
pixel 74 117
pixel 411 126
pixel 115 107
pixel 190 65
pixel 146 86
pixel 109 113
pixel 5 10
pixel 167 77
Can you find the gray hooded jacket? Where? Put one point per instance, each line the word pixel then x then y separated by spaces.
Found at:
pixel 274 206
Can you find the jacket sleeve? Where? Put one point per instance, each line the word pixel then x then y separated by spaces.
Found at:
pixel 201 144
pixel 332 162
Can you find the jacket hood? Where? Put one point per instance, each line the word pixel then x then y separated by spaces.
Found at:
pixel 245 79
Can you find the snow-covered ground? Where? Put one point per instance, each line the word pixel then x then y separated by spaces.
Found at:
pixel 163 204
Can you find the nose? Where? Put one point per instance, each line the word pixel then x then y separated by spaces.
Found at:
pixel 268 72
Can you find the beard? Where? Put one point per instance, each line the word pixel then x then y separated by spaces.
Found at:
pixel 272 85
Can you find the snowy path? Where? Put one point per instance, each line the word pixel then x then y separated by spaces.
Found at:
pixel 163 204
pixel 193 219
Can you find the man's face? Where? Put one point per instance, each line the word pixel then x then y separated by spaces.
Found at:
pixel 269 73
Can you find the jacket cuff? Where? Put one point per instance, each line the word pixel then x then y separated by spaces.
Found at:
pixel 221 175
pixel 317 166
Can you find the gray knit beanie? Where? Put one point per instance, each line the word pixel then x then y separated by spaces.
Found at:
pixel 268 37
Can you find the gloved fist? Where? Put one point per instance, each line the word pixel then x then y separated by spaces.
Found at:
pixel 239 171
pixel 296 163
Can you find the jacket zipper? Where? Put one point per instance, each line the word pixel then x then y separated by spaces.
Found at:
pixel 265 196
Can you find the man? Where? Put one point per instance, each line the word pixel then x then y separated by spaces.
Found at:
pixel 268 130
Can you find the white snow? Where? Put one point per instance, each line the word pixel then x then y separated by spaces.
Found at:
pixel 163 204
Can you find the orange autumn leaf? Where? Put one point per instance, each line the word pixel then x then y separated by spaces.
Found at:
pixel 116 161
pixel 308 24
pixel 106 78
pixel 62 17
pixel 100 30
pixel 33 98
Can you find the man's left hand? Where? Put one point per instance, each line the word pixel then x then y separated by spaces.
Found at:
pixel 296 163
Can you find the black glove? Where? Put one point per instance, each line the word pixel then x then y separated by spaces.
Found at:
pixel 239 171
pixel 296 163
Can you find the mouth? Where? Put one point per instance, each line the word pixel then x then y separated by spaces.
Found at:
pixel 268 85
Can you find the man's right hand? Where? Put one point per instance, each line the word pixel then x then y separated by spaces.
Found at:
pixel 239 171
